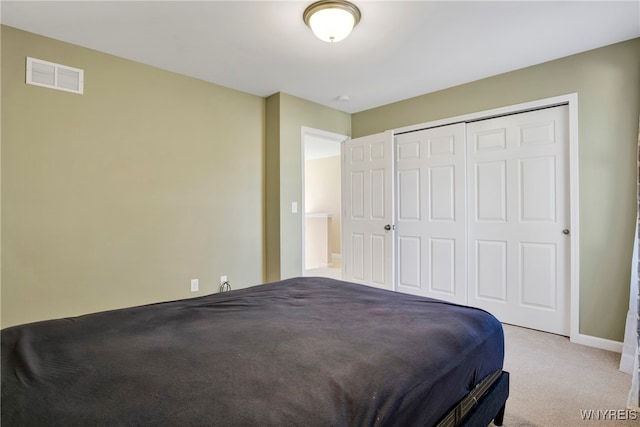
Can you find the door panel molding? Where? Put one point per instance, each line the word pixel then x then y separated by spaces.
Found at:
pixel 531 137
pixel 367 177
pixel 430 211
pixel 533 200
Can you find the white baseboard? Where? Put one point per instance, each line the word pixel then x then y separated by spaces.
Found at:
pixel 596 342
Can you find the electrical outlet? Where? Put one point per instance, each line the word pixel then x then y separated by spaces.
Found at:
pixel 194 285
pixel 224 284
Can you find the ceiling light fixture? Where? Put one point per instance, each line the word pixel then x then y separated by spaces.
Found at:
pixel 331 20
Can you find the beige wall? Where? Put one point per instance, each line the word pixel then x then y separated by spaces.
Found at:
pixel 607 81
pixel 272 189
pixel 323 194
pixel 120 196
pixel 289 114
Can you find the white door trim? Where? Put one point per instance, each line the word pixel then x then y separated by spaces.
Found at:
pixel 304 133
pixel 574 268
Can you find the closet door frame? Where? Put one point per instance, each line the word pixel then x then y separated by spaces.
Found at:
pixel 571 100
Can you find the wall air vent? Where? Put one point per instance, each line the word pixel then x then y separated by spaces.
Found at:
pixel 54 76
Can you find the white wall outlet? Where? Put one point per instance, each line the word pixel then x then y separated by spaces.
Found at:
pixel 194 285
pixel 223 279
pixel 294 207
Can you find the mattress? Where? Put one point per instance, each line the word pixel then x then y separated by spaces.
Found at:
pixel 304 351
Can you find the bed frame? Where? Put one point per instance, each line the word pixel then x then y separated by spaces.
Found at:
pixel 484 404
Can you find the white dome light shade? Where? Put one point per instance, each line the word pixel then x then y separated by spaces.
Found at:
pixel 331 25
pixel 331 21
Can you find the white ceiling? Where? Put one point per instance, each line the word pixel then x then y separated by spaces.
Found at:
pixel 399 50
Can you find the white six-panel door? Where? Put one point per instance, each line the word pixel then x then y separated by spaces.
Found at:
pixel 430 213
pixel 518 243
pixel 481 211
pixel 367 185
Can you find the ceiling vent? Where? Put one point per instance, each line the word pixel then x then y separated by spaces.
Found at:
pixel 54 76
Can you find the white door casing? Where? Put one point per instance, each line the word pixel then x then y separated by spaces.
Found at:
pixel 518 229
pixel 367 186
pixel 430 213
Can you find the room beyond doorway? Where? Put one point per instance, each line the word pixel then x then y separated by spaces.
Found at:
pixel 321 203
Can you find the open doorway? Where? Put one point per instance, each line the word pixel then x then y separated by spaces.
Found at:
pixel 321 203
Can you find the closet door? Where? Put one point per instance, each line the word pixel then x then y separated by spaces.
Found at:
pixel 430 213
pixel 367 188
pixel 518 214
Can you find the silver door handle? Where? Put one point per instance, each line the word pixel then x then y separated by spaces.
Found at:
pixel 566 231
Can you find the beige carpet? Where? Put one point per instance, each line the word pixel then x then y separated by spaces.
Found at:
pixel 553 380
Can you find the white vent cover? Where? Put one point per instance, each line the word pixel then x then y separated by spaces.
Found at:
pixel 54 76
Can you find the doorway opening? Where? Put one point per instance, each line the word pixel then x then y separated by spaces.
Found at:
pixel 321 203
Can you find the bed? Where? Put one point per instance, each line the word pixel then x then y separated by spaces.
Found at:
pixel 303 351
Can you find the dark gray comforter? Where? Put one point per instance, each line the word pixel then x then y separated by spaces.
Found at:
pixel 301 352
